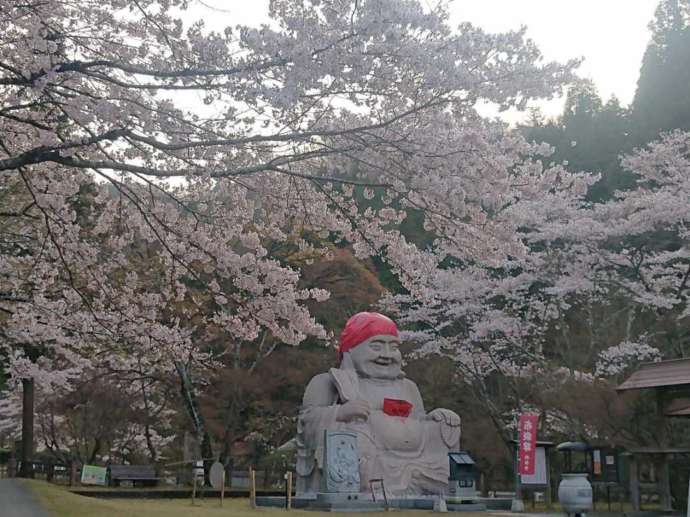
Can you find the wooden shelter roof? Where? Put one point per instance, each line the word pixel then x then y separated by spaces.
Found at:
pixel 659 375
pixel 678 407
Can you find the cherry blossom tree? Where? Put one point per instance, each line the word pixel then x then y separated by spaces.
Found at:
pixel 637 243
pixel 517 321
pixel 618 358
pixel 146 165
pixel 493 317
pixel 641 240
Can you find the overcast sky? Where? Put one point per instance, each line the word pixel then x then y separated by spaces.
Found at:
pixel 611 35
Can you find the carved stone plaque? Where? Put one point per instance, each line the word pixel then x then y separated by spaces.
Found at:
pixel 341 462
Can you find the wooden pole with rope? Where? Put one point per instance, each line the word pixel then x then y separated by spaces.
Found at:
pixel 289 491
pixel 252 487
pixel 222 488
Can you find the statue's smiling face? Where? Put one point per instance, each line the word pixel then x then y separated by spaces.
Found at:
pixel 378 357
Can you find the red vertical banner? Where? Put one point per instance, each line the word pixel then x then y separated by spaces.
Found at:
pixel 527 443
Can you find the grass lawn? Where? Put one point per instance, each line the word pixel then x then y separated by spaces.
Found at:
pixel 62 503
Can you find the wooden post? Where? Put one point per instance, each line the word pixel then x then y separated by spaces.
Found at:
pixel 547 460
pixel 664 483
pixel 252 487
pixel 72 473
pixel 222 488
pixel 634 484
pixel 517 504
pixel 26 467
pixel 664 478
pixel 608 496
pixel 289 490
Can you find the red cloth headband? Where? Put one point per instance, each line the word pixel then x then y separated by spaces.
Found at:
pixel 362 326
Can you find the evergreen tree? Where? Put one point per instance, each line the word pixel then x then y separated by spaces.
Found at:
pixel 662 99
pixel 590 135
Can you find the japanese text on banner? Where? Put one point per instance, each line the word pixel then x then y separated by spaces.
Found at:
pixel 527 443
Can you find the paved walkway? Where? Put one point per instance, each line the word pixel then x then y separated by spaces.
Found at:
pixel 17 501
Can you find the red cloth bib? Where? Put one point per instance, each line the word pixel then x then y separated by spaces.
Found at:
pixel 396 407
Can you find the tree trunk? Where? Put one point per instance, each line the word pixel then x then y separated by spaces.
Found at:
pixel 202 435
pixel 95 451
pixel 207 455
pixel 147 425
pixel 188 395
pixel 26 469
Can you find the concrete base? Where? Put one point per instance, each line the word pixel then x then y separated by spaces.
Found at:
pixel 460 500
pixel 466 507
pixel 326 502
pixel 517 506
pixel 496 503
pixel 342 502
pixel 440 505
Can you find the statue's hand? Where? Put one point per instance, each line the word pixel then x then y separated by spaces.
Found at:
pixel 450 426
pixel 353 410
pixel 445 416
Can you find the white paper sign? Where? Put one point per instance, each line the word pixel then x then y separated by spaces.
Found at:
pixel 539 476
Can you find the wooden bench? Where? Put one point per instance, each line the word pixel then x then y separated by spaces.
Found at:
pixel 145 475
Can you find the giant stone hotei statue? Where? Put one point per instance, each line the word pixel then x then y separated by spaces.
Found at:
pixel 368 395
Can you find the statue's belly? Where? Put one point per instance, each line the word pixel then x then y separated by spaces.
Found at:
pixel 397 433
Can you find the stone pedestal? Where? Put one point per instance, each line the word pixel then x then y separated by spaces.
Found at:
pixel 364 503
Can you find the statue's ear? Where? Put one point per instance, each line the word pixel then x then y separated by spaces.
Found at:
pixel 346 363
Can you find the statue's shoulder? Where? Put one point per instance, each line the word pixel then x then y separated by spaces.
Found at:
pixel 410 385
pixel 321 378
pixel 321 381
pixel 413 395
pixel 320 391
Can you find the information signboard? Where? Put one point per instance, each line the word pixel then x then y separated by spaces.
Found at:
pixel 93 475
